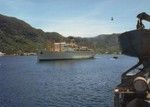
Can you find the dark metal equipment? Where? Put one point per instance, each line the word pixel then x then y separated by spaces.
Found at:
pixel 134 89
pixel 142 16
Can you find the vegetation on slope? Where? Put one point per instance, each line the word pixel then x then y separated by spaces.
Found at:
pixel 16 36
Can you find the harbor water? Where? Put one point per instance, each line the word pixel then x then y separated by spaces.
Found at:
pixel 26 82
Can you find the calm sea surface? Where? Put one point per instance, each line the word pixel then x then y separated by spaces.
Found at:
pixel 25 82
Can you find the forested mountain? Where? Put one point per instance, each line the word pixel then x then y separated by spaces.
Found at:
pixel 17 36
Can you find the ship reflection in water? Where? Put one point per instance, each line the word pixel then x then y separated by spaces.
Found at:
pixel 24 82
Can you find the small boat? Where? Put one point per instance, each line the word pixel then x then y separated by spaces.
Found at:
pixel 115 57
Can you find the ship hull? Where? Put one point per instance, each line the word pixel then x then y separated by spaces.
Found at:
pixel 65 55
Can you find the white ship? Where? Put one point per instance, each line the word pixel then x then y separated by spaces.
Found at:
pixel 62 51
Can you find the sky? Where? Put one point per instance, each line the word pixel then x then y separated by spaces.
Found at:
pixel 84 18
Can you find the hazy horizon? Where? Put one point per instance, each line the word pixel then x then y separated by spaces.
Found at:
pixel 79 18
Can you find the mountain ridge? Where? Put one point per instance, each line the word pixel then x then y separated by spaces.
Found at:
pixel 17 36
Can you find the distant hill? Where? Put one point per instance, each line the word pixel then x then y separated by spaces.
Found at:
pixel 17 36
pixel 107 43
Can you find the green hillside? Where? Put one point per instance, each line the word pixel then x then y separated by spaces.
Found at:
pixel 17 36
